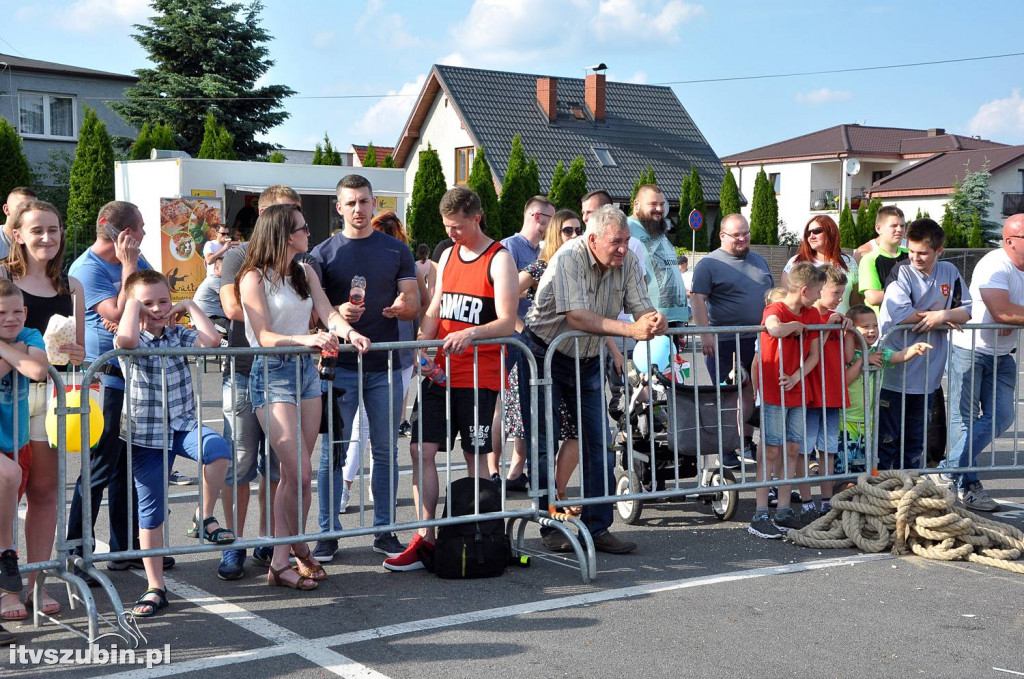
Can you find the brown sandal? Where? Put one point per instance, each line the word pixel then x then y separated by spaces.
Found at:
pixel 274 580
pixel 308 567
pixel 12 613
pixel 572 510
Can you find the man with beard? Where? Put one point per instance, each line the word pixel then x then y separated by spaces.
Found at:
pixel 729 287
pixel 664 283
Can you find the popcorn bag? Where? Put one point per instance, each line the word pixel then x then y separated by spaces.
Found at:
pixel 59 331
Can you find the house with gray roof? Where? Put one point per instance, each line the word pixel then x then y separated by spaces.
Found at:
pixel 44 100
pixel 618 128
pixel 817 173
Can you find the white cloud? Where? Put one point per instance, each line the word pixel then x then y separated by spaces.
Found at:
pixel 658 20
pixel 514 32
pixel 822 96
pixel 639 78
pixel 454 59
pixel 383 121
pixel 1000 119
pixel 323 39
pixel 85 16
pixel 381 26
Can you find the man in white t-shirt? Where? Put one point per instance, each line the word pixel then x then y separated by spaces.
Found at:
pixel 982 382
pixel 216 249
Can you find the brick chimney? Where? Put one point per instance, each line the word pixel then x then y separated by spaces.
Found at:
pixel 547 97
pixel 595 95
pixel 936 132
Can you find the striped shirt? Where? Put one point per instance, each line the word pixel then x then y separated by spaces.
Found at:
pixel 573 282
pixel 144 405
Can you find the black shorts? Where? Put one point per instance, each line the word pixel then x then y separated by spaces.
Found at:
pixel 462 423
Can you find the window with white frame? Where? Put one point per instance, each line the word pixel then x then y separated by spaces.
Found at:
pixel 47 115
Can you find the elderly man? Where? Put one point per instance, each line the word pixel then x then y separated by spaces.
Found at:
pixel 729 287
pixel 587 283
pixel 981 382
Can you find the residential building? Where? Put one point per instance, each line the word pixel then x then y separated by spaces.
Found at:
pixel 618 128
pixel 357 154
pixel 44 101
pixel 816 173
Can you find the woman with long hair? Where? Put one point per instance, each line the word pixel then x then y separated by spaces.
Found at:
pixel 278 296
pixel 36 266
pixel 820 246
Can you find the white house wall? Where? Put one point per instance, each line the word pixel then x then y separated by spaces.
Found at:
pixel 1007 180
pixel 444 132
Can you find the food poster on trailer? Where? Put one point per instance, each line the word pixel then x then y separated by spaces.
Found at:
pixel 186 225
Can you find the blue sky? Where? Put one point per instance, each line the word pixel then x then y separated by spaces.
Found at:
pixel 363 49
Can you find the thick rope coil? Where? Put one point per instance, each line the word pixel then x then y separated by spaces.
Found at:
pixel 903 511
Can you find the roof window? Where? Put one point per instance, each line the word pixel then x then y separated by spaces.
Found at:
pixel 604 156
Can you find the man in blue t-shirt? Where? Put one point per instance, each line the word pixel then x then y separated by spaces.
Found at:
pixel 392 294
pixel 102 270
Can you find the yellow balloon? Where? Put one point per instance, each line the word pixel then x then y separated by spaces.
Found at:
pixel 74 424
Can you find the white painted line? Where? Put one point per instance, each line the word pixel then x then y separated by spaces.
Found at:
pixel 310 648
pixel 1000 669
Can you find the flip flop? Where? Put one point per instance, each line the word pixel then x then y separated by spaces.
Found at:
pixel 11 613
pixel 51 607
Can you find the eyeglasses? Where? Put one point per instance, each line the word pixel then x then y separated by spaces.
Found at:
pixel 304 227
pixel 542 216
pixel 737 236
pixel 570 230
pixel 815 232
pixel 223 233
pixel 1022 237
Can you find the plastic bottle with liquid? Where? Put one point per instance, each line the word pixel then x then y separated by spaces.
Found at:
pixel 357 291
pixel 433 372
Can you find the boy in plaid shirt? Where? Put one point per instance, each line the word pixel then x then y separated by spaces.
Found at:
pixel 159 416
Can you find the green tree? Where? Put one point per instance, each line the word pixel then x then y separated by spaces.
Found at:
pixel 866 224
pixel 847 227
pixel 389 161
pixel 225 146
pixel 481 181
pixel 685 206
pixel 970 196
pixel 276 157
pixel 951 227
pixel 213 51
pixel 573 187
pixel 318 155
pixel 697 203
pixel 143 144
pixel 428 187
pixel 324 154
pixel 370 159
pixel 211 133
pixel 514 189
pixel 92 175
pixel 763 223
pixel 556 181
pixel 14 169
pixel 918 215
pixel 976 238
pixel 729 195
pixel 53 181
pixel 163 138
pixel 532 178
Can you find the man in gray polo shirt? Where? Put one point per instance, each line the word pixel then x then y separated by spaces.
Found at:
pixel 933 297
pixel 729 287
pixel 588 281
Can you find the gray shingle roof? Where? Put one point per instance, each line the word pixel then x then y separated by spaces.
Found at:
pixel 939 172
pixel 644 125
pixel 22 63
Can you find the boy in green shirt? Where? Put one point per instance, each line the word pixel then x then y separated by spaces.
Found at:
pixel 875 266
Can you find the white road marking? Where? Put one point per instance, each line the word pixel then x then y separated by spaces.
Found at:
pixel 288 642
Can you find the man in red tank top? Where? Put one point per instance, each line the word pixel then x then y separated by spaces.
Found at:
pixel 476 299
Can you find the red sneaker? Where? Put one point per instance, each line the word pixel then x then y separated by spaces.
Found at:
pixel 409 560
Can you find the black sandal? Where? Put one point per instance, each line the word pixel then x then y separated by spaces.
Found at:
pixel 220 536
pixel 153 606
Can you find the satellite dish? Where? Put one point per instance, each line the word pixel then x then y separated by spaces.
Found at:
pixel 852 166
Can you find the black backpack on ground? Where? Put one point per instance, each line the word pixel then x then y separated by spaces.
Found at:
pixel 479 549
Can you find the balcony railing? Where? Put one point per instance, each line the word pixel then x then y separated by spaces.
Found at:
pixel 1013 203
pixel 825 200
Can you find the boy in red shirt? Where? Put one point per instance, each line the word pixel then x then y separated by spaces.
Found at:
pixel 787 355
pixel 827 394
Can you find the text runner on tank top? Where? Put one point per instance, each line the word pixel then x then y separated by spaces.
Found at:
pixel 468 301
pixel 288 314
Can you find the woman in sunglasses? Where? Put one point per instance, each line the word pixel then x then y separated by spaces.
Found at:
pixel 820 246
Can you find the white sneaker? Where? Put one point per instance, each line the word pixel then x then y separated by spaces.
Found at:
pixel 346 497
pixel 975 497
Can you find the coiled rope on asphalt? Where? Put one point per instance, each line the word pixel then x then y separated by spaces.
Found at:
pixel 897 509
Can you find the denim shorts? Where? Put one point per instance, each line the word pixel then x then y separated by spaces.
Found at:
pixel 281 380
pixel 772 424
pixel 822 430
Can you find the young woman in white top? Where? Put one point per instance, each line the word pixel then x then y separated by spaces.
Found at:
pixel 278 296
pixel 820 246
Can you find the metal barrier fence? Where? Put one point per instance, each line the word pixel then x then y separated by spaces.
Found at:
pixel 666 439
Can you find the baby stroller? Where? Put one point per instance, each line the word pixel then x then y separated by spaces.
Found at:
pixel 677 422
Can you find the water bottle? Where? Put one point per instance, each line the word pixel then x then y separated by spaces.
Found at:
pixel 328 360
pixel 433 371
pixel 357 291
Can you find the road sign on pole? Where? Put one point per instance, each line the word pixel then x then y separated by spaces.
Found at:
pixel 695 220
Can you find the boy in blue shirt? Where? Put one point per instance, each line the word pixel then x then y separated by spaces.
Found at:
pixel 22 356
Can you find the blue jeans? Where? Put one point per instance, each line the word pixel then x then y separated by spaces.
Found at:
pixel 978 415
pixel 897 426
pixel 595 452
pixel 109 470
pixel 384 411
